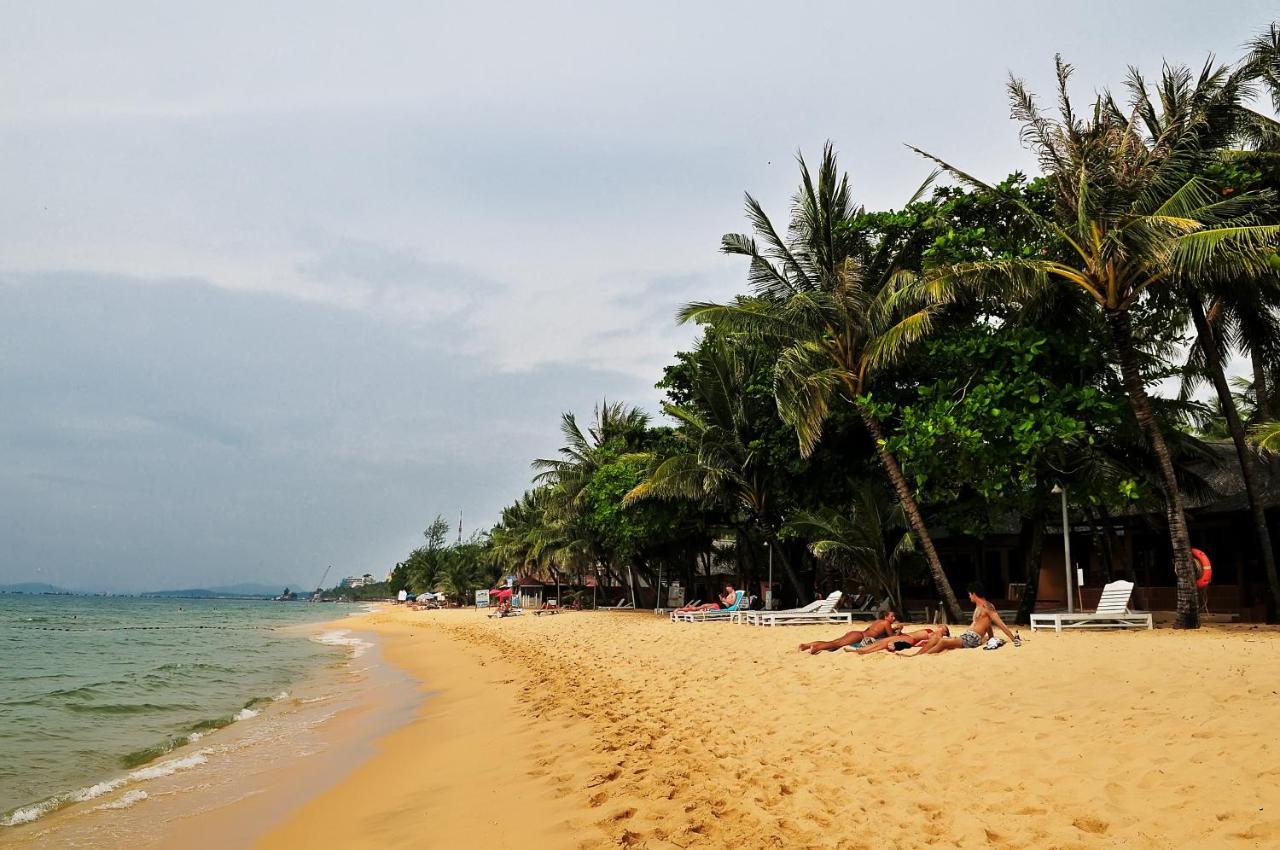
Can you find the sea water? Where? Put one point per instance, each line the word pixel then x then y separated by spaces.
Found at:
pixel 101 695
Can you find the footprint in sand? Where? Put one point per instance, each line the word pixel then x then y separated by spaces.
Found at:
pixel 1091 825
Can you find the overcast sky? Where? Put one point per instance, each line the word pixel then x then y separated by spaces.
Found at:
pixel 279 282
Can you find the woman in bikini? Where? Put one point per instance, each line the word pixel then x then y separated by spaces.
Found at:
pixel 727 597
pixel 887 624
pixel 899 642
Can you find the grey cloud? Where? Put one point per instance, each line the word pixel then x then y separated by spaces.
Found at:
pixel 162 434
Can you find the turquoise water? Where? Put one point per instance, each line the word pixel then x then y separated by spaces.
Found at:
pixel 91 687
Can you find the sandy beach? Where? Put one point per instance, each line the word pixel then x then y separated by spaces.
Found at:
pixel 599 729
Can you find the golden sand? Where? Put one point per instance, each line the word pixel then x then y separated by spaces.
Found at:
pixel 603 729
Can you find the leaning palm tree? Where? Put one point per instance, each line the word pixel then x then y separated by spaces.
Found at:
pixel 1139 221
pixel 867 543
pixel 716 455
pixel 836 322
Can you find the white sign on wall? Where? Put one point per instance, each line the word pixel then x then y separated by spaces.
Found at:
pixel 675 595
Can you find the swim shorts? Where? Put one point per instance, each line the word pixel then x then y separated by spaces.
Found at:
pixel 971 640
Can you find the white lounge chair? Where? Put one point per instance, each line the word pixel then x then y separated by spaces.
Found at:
pixel 689 604
pixel 825 613
pixel 720 614
pixel 1112 613
pixel 817 608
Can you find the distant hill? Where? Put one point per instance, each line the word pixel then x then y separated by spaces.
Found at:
pixel 246 590
pixel 32 587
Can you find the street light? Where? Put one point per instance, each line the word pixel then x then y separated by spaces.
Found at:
pixel 1066 544
pixel 768 591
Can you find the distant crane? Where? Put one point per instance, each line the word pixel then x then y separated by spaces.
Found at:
pixel 320 586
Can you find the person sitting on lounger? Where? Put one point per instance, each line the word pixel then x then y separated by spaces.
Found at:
pixel 885 625
pixel 899 642
pixel 727 597
pixel 985 617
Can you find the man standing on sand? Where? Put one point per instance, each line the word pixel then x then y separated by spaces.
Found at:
pixel 984 617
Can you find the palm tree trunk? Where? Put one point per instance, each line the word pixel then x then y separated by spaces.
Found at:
pixel 1188 601
pixel 1248 462
pixel 912 510
pixel 1261 392
pixel 1035 550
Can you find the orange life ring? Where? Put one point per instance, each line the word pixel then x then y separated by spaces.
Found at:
pixel 1204 569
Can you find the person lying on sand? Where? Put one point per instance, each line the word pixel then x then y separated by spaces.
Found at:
pixel 727 598
pixel 899 642
pixel 885 625
pixel 984 617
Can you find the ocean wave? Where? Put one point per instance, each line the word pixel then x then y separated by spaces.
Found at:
pixel 28 814
pixel 343 638
pixel 127 799
pixel 129 707
pixel 170 767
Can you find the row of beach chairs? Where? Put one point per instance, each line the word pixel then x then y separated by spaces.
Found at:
pixel 1112 612
pixel 821 611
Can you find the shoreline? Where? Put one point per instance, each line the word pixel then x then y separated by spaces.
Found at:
pixel 164 801
pixel 595 729
pixel 469 769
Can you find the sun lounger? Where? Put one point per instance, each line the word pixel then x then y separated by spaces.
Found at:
pixel 825 613
pixel 817 608
pixel 692 604
pixel 1112 613
pixel 719 614
pixel 514 612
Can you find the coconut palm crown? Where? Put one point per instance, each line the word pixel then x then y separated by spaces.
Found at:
pixel 1139 220
pixel 836 323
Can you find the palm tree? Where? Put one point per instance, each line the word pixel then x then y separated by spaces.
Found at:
pixel 458 578
pixel 867 543
pixel 1138 220
pixel 1266 436
pixel 837 318
pixel 616 431
pixel 717 456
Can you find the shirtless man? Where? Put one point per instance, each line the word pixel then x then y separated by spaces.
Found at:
pixel 984 617
pixel 899 642
pixel 727 598
pixel 887 624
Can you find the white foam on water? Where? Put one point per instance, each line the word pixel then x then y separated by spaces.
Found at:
pixel 126 800
pixel 34 812
pixel 244 714
pixel 29 813
pixel 94 791
pixel 282 695
pixel 194 736
pixel 343 638
pixel 170 767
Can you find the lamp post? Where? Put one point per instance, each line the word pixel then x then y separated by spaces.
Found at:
pixel 1066 545
pixel 768 591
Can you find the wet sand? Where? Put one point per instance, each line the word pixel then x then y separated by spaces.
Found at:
pixel 622 729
